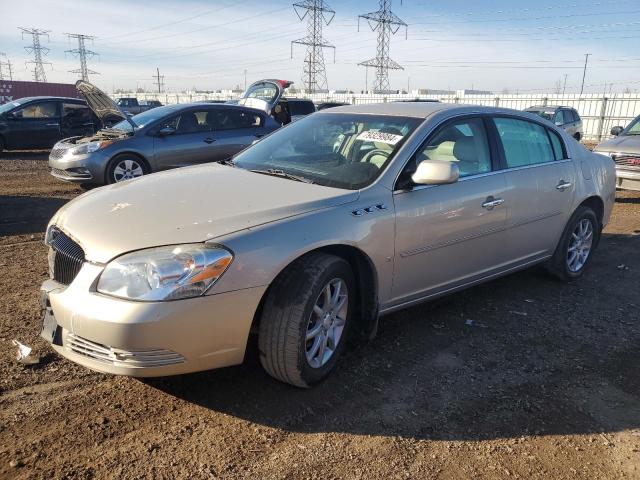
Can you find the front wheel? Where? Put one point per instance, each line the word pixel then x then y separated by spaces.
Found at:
pixel 306 319
pixel 125 167
pixel 578 241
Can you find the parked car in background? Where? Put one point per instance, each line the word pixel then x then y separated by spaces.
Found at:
pixel 312 233
pixel 566 118
pixel 158 139
pixel 40 122
pixel 268 95
pixel 131 105
pixel 624 149
pixel 325 105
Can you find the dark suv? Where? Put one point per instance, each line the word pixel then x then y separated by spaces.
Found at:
pixel 40 122
pixel 566 118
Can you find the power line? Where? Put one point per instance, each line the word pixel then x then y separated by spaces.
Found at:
pixel 5 64
pixel 386 23
pixel 82 53
pixel 318 14
pixel 38 52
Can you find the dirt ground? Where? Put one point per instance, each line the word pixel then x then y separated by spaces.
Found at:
pixel 543 383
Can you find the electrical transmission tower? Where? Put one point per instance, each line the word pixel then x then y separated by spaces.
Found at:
pixel 386 23
pixel 38 52
pixel 5 64
pixel 318 14
pixel 159 80
pixel 82 53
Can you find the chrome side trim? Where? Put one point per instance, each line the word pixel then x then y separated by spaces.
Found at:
pixel 436 246
pixel 431 296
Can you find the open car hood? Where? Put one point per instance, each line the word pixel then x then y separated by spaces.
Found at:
pixel 100 103
pixel 264 94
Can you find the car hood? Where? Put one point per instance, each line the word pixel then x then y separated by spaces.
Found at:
pixel 621 144
pixel 100 103
pixel 192 204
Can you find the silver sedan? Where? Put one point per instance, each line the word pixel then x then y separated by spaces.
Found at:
pixel 314 233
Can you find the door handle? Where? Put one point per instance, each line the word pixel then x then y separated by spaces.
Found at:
pixel 259 135
pixel 491 202
pixel 52 124
pixel 562 186
pixel 209 140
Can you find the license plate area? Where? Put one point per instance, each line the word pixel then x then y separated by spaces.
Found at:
pixel 51 332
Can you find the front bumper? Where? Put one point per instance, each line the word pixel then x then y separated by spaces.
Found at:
pixel 627 179
pixel 89 168
pixel 144 339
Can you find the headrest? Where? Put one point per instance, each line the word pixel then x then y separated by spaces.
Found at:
pixel 465 150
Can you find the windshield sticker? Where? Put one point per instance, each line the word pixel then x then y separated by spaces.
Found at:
pixel 380 137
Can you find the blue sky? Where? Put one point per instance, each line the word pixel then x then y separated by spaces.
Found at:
pixel 514 45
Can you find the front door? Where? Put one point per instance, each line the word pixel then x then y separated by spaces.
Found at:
pixel 188 139
pixel 450 235
pixel 541 185
pixel 36 125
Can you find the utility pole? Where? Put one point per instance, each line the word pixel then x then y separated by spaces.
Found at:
pixel 245 79
pixel 159 80
pixel 5 64
pixel 82 53
pixel 564 87
pixel 318 14
pixel 584 73
pixel 386 23
pixel 38 52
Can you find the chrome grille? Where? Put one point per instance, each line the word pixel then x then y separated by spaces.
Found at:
pixel 118 357
pixel 57 153
pixel 68 256
pixel 627 160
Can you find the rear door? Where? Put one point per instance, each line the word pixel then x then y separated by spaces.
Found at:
pixel 450 235
pixel 36 125
pixel 191 139
pixel 541 183
pixel 233 130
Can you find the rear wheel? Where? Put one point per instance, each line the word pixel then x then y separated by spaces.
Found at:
pixel 125 167
pixel 578 241
pixel 2 145
pixel 577 136
pixel 306 320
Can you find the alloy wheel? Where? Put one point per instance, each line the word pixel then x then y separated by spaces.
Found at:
pixel 126 170
pixel 326 323
pixel 580 245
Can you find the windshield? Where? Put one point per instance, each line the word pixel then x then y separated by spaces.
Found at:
pixel 144 118
pixel 546 114
pixel 8 106
pixel 633 128
pixel 333 149
pixel 266 91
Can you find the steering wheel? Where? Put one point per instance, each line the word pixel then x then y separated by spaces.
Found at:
pixel 372 153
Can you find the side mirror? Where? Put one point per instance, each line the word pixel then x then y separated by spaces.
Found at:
pixel 559 123
pixel 615 131
pixel 166 131
pixel 436 172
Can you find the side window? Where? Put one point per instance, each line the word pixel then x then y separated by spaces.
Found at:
pixel 38 110
pixel 76 114
pixel 576 116
pixel 301 107
pixel 558 146
pixel 525 143
pixel 232 119
pixel 193 121
pixel 567 116
pixel 463 142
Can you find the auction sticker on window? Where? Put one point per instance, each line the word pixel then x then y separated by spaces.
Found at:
pixel 380 137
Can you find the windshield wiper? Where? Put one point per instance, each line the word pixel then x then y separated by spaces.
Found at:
pixel 274 172
pixel 227 161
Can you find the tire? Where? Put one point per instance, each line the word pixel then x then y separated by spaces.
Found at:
pixel 577 136
pixel 2 144
pixel 294 308
pixel 569 261
pixel 125 167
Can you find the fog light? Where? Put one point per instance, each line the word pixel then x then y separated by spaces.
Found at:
pixel 78 171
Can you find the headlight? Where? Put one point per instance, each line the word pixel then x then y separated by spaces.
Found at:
pixel 164 273
pixel 90 147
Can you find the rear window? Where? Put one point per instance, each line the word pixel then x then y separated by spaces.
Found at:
pixel 301 108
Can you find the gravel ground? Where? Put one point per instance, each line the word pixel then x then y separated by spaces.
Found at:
pixel 543 383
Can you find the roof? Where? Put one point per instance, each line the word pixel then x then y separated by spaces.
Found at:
pixel 47 97
pixel 405 109
pixel 548 107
